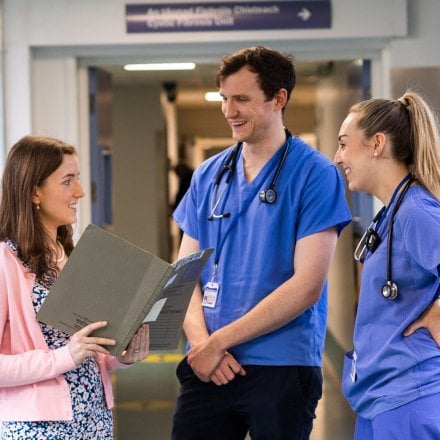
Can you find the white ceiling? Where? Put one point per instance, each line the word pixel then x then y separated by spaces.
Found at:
pixel 192 85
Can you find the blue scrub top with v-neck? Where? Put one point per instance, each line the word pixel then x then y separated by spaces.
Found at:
pixel 388 369
pixel 257 254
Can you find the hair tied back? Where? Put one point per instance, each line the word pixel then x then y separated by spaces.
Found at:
pixel 404 102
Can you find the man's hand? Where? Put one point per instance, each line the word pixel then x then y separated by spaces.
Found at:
pixel 227 370
pixel 205 357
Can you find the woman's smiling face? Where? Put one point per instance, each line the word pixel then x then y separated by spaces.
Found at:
pixel 355 155
pixel 58 196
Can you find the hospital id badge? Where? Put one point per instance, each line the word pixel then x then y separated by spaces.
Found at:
pixel 210 294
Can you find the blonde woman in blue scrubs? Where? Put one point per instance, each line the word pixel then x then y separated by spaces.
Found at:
pixel 391 149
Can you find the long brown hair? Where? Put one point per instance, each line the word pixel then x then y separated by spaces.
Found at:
pixel 29 163
pixel 413 130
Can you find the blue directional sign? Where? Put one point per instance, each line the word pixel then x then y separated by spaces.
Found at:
pixel 184 17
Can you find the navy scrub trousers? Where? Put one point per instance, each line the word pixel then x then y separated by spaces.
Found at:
pixel 271 402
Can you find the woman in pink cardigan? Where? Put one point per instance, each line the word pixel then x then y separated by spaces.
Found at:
pixel 52 386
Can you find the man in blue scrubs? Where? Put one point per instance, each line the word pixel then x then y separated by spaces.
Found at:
pixel 272 207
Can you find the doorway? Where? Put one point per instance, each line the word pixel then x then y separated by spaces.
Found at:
pixel 323 94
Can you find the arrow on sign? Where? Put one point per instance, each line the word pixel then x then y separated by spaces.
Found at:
pixel 305 14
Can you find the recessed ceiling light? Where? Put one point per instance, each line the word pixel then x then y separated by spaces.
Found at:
pixel 160 66
pixel 213 97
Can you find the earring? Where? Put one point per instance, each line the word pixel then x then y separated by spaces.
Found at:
pixel 375 154
pixel 37 207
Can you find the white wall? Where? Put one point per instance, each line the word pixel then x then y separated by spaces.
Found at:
pixel 420 47
pixel 94 29
pixel 137 155
pixel 59 108
pixel 334 98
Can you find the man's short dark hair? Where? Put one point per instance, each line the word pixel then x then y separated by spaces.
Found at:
pixel 275 70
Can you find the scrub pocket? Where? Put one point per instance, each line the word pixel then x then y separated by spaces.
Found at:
pixel 184 372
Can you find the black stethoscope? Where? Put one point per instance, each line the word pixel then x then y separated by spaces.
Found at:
pixel 371 239
pixel 268 195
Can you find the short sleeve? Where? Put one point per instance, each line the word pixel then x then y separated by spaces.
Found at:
pixel 421 236
pixel 185 215
pixel 323 202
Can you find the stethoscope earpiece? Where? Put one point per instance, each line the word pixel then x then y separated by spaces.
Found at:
pixel 390 290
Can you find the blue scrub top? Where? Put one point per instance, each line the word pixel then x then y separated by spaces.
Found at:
pixel 391 369
pixel 257 255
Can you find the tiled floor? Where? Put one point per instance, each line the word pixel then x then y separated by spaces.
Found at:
pixel 146 395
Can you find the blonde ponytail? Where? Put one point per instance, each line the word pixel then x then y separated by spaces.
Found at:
pixel 426 142
pixel 413 130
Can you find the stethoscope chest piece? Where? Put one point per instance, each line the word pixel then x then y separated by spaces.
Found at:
pixel 390 290
pixel 268 196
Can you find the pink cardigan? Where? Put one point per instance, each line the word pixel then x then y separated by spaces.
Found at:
pixel 32 386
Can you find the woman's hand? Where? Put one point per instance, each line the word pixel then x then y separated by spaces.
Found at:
pixel 139 347
pixel 430 319
pixel 81 345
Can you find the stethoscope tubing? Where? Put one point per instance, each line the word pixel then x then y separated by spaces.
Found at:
pixel 229 166
pixel 391 228
pixel 389 289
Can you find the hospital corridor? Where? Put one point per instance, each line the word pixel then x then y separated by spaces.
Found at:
pixel 132 86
